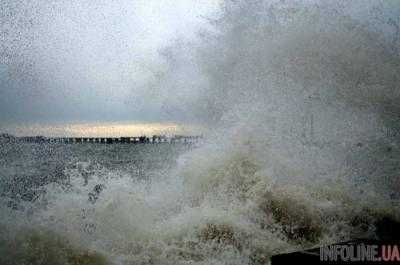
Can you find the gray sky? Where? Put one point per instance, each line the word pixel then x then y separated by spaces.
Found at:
pixel 82 61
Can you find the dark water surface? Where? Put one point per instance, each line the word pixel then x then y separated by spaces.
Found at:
pixel 26 167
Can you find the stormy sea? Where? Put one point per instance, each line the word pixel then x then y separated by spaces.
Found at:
pixel 302 148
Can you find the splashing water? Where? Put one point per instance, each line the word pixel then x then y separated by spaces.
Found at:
pixel 301 101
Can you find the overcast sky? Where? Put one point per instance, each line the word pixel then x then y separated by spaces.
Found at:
pixel 82 61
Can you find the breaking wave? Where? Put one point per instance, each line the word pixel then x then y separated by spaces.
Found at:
pixel 301 102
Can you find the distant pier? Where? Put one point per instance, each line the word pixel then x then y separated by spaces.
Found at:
pixel 155 139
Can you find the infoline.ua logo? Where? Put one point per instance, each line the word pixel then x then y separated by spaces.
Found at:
pixel 361 252
pixel 351 253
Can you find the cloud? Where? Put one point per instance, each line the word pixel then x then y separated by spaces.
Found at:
pixel 87 60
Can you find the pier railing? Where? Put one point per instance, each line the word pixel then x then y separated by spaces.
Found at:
pixel 112 140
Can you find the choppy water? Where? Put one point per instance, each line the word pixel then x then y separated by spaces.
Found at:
pixel 26 168
pixel 303 148
pixel 169 204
